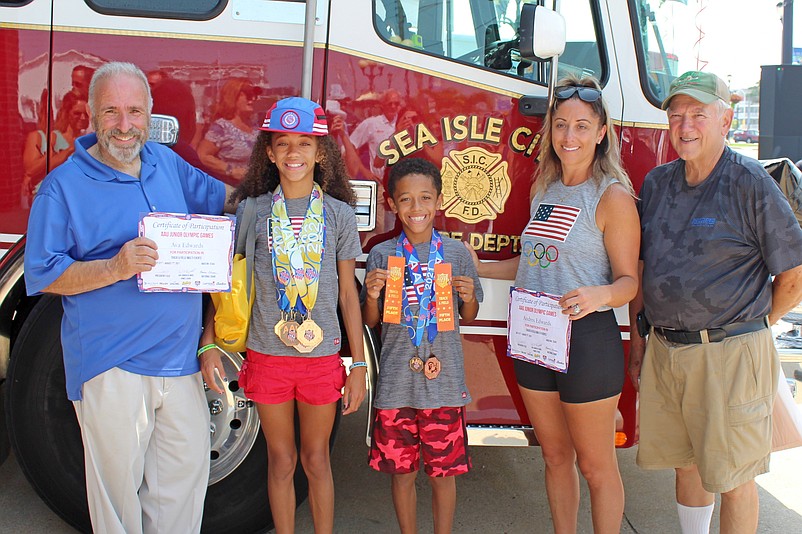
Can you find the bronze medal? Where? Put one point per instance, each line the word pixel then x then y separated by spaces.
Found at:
pixel 416 364
pixel 432 367
pixel 310 335
pixel 288 333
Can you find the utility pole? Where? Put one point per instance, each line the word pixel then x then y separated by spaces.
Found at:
pixel 788 31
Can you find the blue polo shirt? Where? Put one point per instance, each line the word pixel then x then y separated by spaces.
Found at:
pixel 84 211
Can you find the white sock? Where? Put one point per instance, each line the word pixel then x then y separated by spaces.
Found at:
pixel 695 519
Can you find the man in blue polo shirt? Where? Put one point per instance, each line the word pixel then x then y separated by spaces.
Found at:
pixel 129 357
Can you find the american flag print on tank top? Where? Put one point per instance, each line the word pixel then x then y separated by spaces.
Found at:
pixel 552 221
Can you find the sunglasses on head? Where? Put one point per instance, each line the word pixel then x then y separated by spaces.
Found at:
pixel 586 94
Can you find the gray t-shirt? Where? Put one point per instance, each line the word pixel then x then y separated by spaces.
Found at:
pixel 342 243
pixel 709 250
pixel 398 386
pixel 562 247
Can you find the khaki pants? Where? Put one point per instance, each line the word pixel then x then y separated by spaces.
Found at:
pixel 709 405
pixel 146 448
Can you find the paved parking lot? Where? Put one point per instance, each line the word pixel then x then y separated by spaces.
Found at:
pixel 503 494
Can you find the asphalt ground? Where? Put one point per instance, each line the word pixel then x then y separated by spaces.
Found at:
pixel 504 493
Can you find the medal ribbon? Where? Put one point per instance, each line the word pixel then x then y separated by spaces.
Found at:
pixel 424 287
pixel 297 262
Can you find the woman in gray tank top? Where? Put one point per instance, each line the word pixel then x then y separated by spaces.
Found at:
pixel 581 244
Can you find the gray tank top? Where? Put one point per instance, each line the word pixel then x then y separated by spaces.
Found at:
pixel 561 247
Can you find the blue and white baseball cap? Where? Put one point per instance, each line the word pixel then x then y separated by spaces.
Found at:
pixel 296 115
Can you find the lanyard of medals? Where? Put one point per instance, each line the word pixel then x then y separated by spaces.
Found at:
pixel 424 290
pixel 296 270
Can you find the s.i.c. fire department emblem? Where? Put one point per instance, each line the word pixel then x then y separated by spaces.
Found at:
pixel 476 185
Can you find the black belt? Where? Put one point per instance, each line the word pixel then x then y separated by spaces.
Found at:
pixel 712 335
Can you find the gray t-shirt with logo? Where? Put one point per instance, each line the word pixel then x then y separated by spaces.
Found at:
pixel 342 243
pixel 709 250
pixel 398 385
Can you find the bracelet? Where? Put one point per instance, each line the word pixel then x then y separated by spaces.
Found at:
pixel 204 348
pixel 355 365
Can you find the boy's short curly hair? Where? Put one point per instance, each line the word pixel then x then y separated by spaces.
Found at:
pixel 409 166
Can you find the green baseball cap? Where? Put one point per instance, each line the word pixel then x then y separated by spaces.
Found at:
pixel 702 86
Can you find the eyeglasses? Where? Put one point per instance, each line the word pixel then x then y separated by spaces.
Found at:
pixel 586 94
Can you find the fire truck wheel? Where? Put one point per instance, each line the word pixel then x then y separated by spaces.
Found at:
pixel 42 426
pixel 4 445
pixel 46 439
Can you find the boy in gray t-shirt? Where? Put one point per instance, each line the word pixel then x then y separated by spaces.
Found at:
pixel 421 392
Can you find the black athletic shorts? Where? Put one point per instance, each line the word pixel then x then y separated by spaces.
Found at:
pixel 595 363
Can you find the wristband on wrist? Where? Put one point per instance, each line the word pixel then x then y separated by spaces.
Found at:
pixel 355 365
pixel 204 348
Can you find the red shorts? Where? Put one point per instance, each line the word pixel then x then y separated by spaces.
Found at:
pixel 277 379
pixel 402 435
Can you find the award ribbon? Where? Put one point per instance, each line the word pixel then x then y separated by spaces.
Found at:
pixel 296 267
pixel 423 286
pixel 444 298
pixel 393 290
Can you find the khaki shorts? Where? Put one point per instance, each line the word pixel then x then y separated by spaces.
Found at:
pixel 709 405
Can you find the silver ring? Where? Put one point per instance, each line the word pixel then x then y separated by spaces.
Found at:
pixel 577 309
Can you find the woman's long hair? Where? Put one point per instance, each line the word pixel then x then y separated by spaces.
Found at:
pixel 226 107
pixel 63 116
pixel 262 176
pixel 607 159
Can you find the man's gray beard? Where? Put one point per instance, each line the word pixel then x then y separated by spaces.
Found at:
pixel 124 155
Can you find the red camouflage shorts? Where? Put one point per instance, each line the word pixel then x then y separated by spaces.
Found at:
pixel 401 436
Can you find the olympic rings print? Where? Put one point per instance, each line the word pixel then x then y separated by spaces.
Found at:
pixel 539 254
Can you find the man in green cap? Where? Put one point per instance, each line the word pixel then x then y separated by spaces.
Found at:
pixel 716 228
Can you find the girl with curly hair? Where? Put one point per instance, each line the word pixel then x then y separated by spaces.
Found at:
pixel 306 240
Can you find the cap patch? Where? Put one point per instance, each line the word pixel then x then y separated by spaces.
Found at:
pixel 290 120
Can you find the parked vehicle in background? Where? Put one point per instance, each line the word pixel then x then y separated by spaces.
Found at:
pixel 746 136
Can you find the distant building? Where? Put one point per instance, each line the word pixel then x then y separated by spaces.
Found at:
pixel 747 111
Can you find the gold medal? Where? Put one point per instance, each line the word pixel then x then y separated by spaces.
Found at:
pixel 288 333
pixel 432 367
pixel 416 364
pixel 279 325
pixel 310 335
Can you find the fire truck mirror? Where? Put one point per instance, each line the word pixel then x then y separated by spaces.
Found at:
pixel 542 33
pixel 533 106
pixel 163 129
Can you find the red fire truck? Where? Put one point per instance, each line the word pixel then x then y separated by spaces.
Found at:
pixel 473 105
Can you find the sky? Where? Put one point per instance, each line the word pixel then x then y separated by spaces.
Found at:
pixel 737 36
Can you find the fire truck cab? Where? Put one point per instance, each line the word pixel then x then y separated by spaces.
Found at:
pixel 466 95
